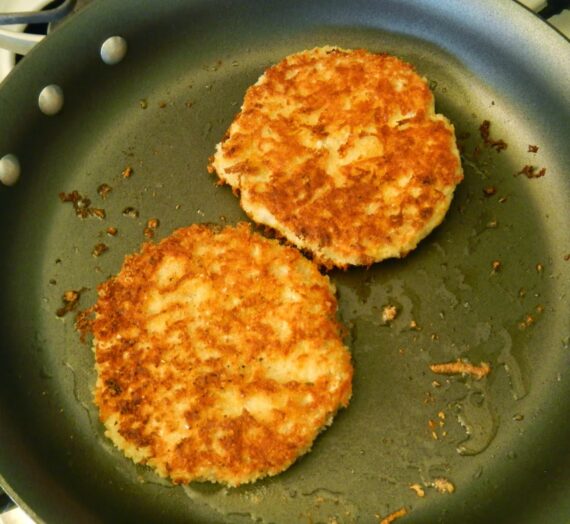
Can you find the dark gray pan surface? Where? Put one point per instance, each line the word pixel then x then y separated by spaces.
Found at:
pixel 488 61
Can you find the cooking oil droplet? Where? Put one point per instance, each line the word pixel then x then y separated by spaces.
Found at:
pixel 322 492
pixel 45 373
pixel 447 296
pixel 482 332
pixel 237 517
pixel 512 367
pixel 274 502
pixel 476 416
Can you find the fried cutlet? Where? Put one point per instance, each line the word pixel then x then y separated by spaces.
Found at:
pixel 341 152
pixel 219 356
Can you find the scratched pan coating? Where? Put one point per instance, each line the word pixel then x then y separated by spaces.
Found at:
pixel 489 285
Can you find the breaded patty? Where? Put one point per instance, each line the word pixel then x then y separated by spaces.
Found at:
pixel 219 356
pixel 342 153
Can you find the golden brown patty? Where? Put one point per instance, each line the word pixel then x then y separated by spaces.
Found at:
pixel 342 153
pixel 218 355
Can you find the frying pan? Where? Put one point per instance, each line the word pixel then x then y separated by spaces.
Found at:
pixel 491 284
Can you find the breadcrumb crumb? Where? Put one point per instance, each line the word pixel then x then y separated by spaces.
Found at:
pixel 484 130
pixel 402 512
pixel 389 313
pixel 420 492
pixel 127 172
pixel 462 367
pixel 443 485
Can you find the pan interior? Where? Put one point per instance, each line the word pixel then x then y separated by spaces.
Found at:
pixel 489 285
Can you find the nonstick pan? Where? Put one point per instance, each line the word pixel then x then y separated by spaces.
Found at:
pixel 491 284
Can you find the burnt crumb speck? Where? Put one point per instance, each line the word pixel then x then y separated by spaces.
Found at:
pixel 489 191
pixel 112 231
pixel 75 198
pixel 84 322
pixel 99 213
pixel 81 204
pixel 485 132
pixel 70 300
pixel 99 249
pixel 496 265
pixel 526 322
pixel 532 149
pixel 103 190
pixel 476 152
pixel 214 67
pixel 151 225
pixel 531 171
pixel 130 212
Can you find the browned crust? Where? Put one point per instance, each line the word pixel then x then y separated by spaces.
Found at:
pixel 315 211
pixel 144 380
